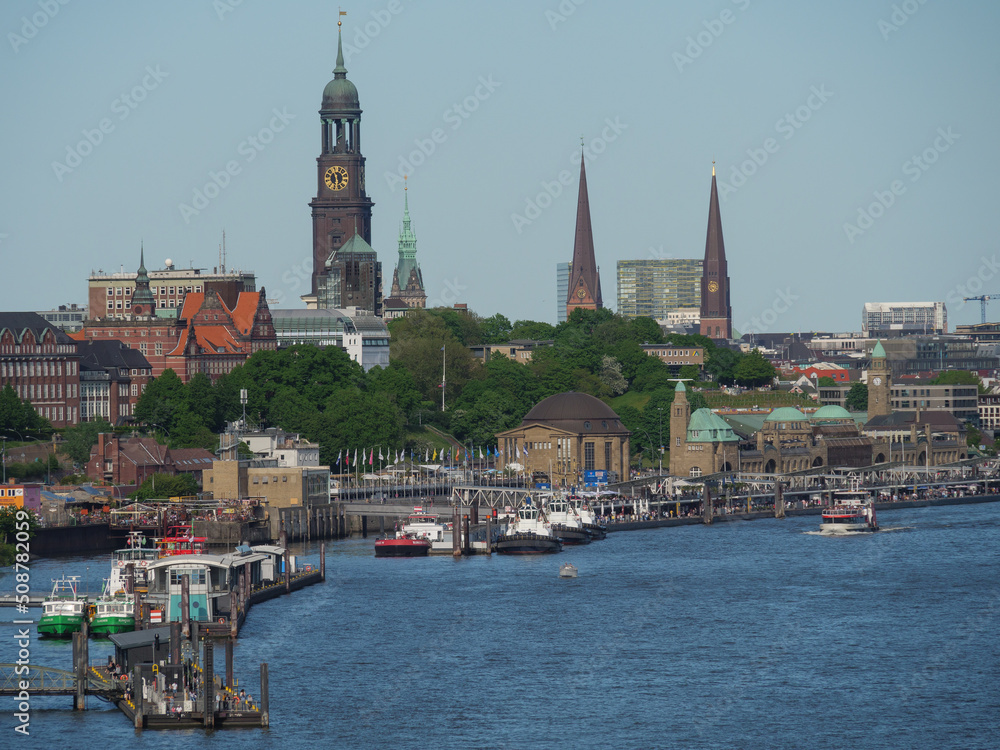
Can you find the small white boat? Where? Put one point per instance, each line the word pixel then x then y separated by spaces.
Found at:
pixel 852 512
pixel 567 570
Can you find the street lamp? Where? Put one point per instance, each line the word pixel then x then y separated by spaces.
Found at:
pixel 660 410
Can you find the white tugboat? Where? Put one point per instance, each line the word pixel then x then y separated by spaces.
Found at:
pixel 528 534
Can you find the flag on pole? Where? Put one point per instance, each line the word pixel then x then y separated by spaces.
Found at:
pixel 435 457
pixel 338 456
pixel 525 450
pixel 371 458
pixel 380 453
pixel 355 457
pixel 481 452
pixel 427 455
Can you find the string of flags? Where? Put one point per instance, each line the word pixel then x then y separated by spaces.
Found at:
pixel 394 455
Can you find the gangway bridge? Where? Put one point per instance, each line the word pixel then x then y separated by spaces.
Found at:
pixel 51 681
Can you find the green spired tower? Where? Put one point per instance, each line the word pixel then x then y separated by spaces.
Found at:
pixel 407 280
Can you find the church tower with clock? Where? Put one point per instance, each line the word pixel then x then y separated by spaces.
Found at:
pixel 341 208
pixel 716 312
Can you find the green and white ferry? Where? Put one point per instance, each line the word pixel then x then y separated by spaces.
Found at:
pixel 112 614
pixel 62 611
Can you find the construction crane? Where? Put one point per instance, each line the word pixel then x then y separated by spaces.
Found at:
pixel 983 299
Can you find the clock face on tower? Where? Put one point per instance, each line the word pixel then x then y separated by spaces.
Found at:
pixel 336 178
pixel 713 286
pixel 876 381
pixel 581 293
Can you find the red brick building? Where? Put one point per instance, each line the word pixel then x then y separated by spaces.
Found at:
pixel 133 461
pixel 208 335
pixel 42 365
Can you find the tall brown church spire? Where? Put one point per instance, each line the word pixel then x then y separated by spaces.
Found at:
pixel 584 279
pixel 716 313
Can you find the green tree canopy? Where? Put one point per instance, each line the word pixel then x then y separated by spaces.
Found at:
pixel 857 397
pixel 753 370
pixel 161 486
pixel 79 439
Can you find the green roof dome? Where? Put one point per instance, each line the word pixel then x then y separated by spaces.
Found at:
pixel 340 95
pixel 680 388
pixel 879 350
pixel 786 414
pixel 708 427
pixel 831 411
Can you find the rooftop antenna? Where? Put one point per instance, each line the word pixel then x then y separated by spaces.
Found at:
pixel 222 253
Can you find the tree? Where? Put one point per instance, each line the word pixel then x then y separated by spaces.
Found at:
pixel 532 331
pixel 495 329
pixel 958 377
pixel 611 376
pixel 721 364
pixel 166 485
pixel 826 381
pixel 753 370
pixel 20 416
pixel 857 397
pixel 79 439
pixel 12 521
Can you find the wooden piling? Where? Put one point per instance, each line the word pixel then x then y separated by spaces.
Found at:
pixel 489 534
pixel 466 536
pixel 175 642
pixel 186 605
pixel 456 533
pixel 229 664
pixel 779 501
pixel 82 665
pixel 140 707
pixel 137 609
pixel 265 718
pixel 364 527
pixel 288 574
pixel 208 683
pixel 322 561
pixel 129 578
pixel 706 510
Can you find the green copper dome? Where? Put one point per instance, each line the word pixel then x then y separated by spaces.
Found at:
pixel 878 351
pixel 708 427
pixel 340 94
pixel 786 414
pixel 831 411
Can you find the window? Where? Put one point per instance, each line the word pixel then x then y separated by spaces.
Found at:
pixel 284 478
pixel 588 456
pixel 695 471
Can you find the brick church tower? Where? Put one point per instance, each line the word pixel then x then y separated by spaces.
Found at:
pixel 716 312
pixel 584 277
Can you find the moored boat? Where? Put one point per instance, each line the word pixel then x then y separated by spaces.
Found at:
pixel 140 556
pixel 564 523
pixel 180 540
pixel 597 530
pixel 852 511
pixel 527 534
pixel 63 610
pixel 402 546
pixel 112 614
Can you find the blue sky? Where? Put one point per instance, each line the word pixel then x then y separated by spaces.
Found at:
pixel 855 144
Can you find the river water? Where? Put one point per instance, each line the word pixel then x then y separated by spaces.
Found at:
pixel 741 635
